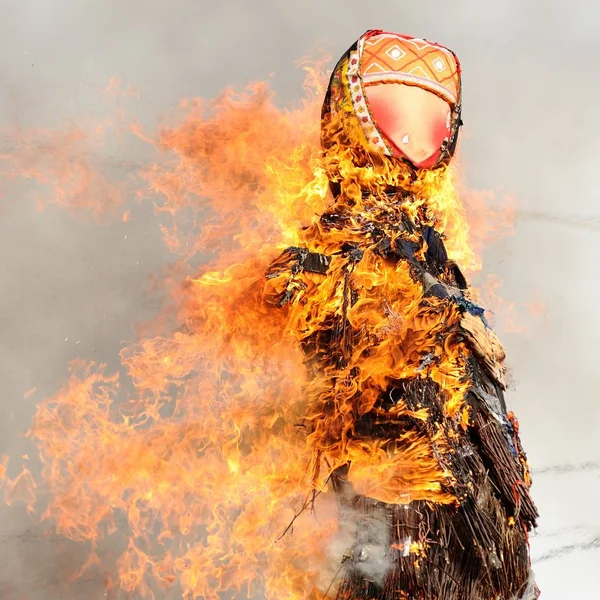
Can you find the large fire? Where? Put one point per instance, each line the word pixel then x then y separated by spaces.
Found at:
pixel 220 459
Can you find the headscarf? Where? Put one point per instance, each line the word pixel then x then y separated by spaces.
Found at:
pixel 386 83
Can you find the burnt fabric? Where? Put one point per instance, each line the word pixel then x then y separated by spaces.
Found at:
pixel 408 413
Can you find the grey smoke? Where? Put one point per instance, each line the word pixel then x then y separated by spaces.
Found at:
pixel 531 127
pixel 569 468
pixel 363 544
pixel 529 593
pixel 589 544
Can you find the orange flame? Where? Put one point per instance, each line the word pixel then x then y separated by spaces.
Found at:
pixel 224 443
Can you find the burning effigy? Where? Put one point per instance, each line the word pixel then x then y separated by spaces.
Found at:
pixel 319 411
pixel 406 407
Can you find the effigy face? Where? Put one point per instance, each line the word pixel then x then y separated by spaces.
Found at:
pixel 415 122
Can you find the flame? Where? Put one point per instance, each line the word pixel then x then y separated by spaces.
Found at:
pixel 219 456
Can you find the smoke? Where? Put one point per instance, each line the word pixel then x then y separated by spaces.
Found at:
pixel 530 591
pixel 362 543
pixel 591 222
pixel 589 544
pixel 569 468
pixel 72 289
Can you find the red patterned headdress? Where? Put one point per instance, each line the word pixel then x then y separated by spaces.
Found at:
pixel 405 93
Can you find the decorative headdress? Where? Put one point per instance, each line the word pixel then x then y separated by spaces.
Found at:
pixel 380 58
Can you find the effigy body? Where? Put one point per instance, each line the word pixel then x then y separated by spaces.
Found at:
pixel 406 415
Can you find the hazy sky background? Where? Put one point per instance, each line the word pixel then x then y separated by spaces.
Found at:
pixel 73 289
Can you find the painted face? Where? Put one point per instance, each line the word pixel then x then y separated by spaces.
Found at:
pixel 414 121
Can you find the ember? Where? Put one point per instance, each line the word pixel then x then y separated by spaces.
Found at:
pixel 329 418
